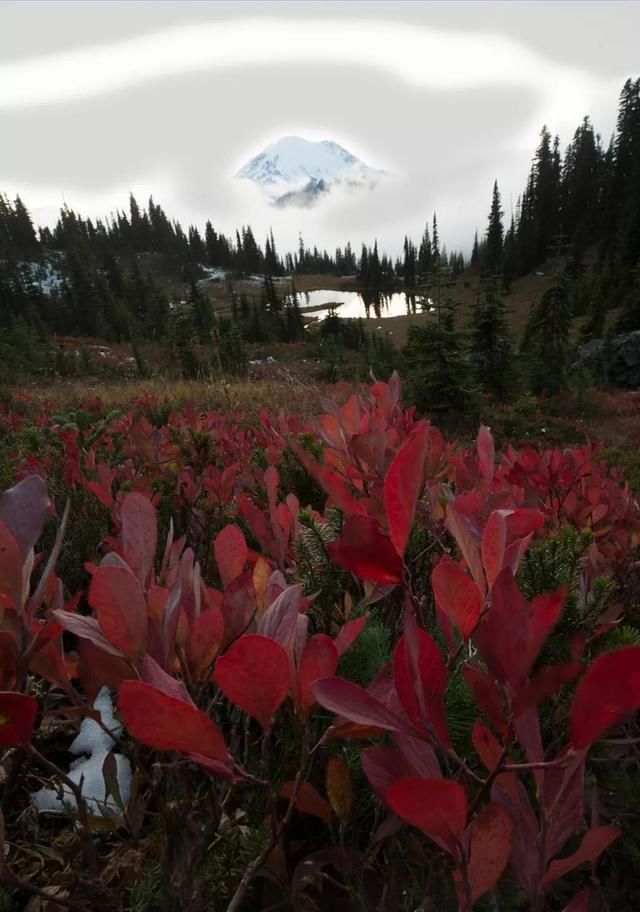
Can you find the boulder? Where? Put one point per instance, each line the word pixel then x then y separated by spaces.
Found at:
pixel 619 357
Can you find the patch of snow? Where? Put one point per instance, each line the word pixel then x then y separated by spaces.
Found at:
pixel 214 273
pixel 45 275
pixel 92 746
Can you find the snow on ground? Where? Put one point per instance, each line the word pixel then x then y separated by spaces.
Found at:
pixel 46 275
pixel 92 747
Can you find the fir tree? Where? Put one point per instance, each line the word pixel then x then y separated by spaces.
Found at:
pixel 475 250
pixel 491 348
pixel 409 267
pixel 425 253
pixel 492 256
pixel 435 244
pixel 546 343
pixel 437 369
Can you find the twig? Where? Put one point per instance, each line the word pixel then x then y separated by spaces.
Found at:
pixel 76 790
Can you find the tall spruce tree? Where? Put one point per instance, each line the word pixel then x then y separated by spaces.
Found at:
pixel 490 347
pixel 492 256
pixel 546 344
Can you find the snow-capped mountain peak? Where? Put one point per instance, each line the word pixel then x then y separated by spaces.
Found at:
pixel 296 171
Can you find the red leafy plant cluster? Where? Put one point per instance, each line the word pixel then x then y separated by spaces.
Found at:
pixel 210 678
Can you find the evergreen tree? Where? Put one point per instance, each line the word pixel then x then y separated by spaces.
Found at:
pixel 294 321
pixel 629 319
pixel 409 267
pixel 491 348
pixel 425 253
pixel 23 236
pixel 509 255
pixel 475 250
pixel 200 308
pixel 546 343
pixel 437 369
pixel 492 256
pixel 435 244
pixel 581 188
pixel 271 264
pixel 546 195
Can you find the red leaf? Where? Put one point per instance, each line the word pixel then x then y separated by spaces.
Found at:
pixel 153 674
pixel 10 571
pixel 544 612
pixel 204 641
pixel 523 522
pixel 231 553
pixel 418 757
pixel 382 765
pixel 438 807
pixel 139 534
pixel 364 551
pixel 216 767
pixel 487 695
pixel 117 597
pixel 166 723
pixel 502 635
pixel 579 903
pixel 593 844
pixel 24 509
pixel 494 539
pixel 609 691
pixel 308 800
pixel 97 668
pixel 486 453
pixel 420 679
pixel 564 801
pixel 280 619
pixel 254 674
pixel 457 526
pixel 403 483
pixel 238 606
pixel 335 487
pixel 457 596
pixel 487 746
pixel 319 660
pixel 86 628
pixel 490 841
pixel 354 703
pixel 510 793
pixel 544 684
pixel 17 718
pixel 349 633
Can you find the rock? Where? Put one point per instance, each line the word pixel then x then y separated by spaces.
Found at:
pixel 622 354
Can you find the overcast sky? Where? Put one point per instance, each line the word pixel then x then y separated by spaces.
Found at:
pixel 170 99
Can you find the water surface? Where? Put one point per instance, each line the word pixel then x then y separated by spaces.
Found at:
pixel 363 304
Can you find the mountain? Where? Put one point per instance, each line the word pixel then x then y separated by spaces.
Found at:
pixel 297 172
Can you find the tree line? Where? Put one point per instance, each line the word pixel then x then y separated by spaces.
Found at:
pixel 586 203
pixel 577 220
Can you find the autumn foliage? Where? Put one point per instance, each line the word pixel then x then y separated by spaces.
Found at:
pixel 216 652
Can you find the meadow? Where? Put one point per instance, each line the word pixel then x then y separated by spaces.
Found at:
pixel 290 646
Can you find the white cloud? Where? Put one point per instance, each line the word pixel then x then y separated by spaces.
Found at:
pixel 396 94
pixel 417 55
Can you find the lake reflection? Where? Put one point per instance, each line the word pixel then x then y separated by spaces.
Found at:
pixel 363 304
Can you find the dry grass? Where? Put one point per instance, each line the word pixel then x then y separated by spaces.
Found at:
pixel 285 393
